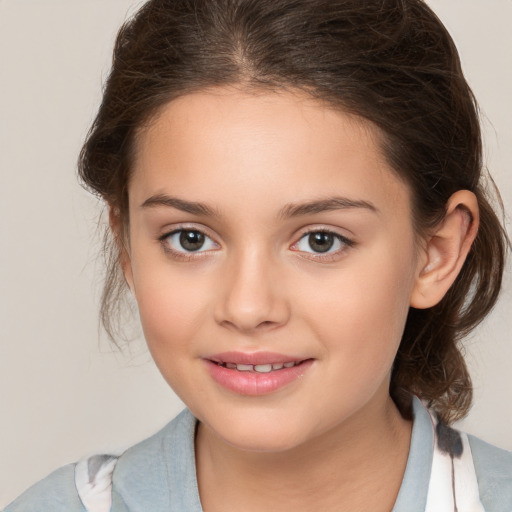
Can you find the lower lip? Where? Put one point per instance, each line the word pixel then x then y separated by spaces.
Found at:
pixel 254 383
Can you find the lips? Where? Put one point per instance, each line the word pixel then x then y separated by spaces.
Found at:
pixel 255 374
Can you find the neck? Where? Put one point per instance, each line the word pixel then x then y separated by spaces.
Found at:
pixel 358 465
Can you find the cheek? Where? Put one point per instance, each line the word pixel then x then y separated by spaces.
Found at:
pixel 170 306
pixel 171 315
pixel 361 311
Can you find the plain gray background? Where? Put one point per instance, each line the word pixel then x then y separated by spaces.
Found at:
pixel 64 393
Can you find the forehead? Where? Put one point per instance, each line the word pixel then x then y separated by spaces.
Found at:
pixel 277 146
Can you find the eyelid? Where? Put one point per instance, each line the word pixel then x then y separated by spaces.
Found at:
pixel 186 255
pixel 347 243
pixel 348 239
pixel 186 226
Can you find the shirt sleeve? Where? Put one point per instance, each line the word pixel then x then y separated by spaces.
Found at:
pixel 57 492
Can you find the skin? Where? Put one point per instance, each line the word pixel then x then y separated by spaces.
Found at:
pixel 332 439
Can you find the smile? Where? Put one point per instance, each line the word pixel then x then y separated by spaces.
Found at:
pixel 258 373
pixel 259 368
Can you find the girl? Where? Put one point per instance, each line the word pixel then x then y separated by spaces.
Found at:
pixel 296 204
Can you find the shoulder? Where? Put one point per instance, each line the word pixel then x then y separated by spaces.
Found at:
pixel 140 473
pixel 161 466
pixel 493 467
pixel 56 492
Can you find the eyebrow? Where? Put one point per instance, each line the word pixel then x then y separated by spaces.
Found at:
pixel 180 204
pixel 288 211
pixel 324 205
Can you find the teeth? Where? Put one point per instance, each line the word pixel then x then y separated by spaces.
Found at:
pixel 263 368
pixel 259 368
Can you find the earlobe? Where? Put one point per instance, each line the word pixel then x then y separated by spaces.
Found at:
pixel 446 250
pixel 117 229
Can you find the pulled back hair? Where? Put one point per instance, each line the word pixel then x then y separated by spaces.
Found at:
pixel 391 62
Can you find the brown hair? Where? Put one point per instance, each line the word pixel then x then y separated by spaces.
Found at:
pixel 389 61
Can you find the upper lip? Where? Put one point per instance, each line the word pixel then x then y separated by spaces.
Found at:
pixel 253 358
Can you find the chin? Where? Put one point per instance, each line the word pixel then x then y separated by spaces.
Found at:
pixel 262 431
pixel 262 441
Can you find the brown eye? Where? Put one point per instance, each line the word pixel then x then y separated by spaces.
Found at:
pixel 321 241
pixel 187 241
pixel 191 240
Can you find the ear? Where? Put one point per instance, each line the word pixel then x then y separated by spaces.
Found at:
pixel 120 236
pixel 446 250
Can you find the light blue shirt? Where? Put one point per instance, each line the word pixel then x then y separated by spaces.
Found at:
pixel 159 474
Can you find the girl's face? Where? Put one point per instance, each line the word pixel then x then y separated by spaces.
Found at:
pixel 273 257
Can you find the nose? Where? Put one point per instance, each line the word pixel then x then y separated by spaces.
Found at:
pixel 252 297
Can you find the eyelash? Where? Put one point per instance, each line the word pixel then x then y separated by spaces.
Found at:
pixel 184 255
pixel 326 256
